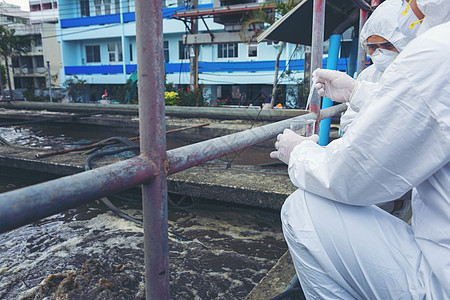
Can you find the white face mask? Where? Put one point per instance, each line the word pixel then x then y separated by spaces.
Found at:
pixel 408 23
pixel 382 58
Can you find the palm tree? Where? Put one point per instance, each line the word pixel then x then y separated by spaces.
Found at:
pixel 10 45
pixel 2 79
pixel 268 13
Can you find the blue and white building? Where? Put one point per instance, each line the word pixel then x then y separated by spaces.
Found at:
pixel 98 44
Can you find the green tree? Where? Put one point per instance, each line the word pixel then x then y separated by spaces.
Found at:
pixel 75 87
pixel 11 44
pixel 268 13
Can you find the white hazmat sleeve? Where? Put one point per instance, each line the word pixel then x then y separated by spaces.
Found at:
pixel 400 139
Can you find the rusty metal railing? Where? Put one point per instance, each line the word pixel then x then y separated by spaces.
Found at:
pixel 29 204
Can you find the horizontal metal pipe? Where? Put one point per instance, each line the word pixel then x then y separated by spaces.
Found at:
pixel 351 20
pixel 188 156
pixel 362 5
pixel 29 204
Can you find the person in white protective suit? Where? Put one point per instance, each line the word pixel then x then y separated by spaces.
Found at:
pixel 343 246
pixel 382 40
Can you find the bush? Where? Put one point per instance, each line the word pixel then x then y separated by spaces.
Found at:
pixel 30 95
pixel 76 88
pixel 219 102
pixel 171 98
pixel 191 98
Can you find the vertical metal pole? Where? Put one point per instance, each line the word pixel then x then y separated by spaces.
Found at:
pixel 332 64
pixel 193 50
pixel 364 14
pixel 361 65
pixel 352 59
pixel 49 82
pixel 318 27
pixel 149 40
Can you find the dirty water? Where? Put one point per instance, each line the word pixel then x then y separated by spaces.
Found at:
pixel 216 250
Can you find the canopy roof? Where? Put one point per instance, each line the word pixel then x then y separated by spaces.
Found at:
pixel 296 26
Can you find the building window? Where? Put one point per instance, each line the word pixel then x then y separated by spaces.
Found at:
pixel 35 7
pixel 55 5
pixel 183 50
pixel 166 51
pixel 38 41
pixel 39 60
pixel 84 8
pixel 228 50
pixel 98 7
pixel 104 7
pixel 46 6
pixel 117 6
pixel 253 50
pixel 107 4
pixel 15 62
pixel 115 52
pixel 93 54
pixel 131 52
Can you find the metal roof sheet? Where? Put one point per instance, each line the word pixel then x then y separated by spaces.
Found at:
pixel 296 26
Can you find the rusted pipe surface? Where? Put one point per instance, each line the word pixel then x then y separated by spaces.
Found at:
pixel 152 128
pixel 192 155
pixel 29 204
pixel 318 28
pixel 362 5
pixel 361 64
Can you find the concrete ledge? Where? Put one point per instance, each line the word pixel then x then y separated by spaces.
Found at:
pixel 275 281
pixel 230 113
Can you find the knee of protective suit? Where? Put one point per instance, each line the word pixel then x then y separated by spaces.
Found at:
pixel 296 219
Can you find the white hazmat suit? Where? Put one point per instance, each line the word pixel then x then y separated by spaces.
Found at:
pixel 436 12
pixel 384 23
pixel 343 247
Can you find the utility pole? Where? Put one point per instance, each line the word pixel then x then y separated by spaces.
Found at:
pixel 193 51
pixel 49 82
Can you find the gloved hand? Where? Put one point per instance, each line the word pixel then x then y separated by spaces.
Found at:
pixel 286 142
pixel 334 85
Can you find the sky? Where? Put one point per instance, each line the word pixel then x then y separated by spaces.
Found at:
pixel 22 3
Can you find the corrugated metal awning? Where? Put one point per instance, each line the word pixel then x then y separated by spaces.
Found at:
pixel 296 26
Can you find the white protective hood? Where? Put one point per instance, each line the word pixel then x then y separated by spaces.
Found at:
pixel 436 12
pixel 384 22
